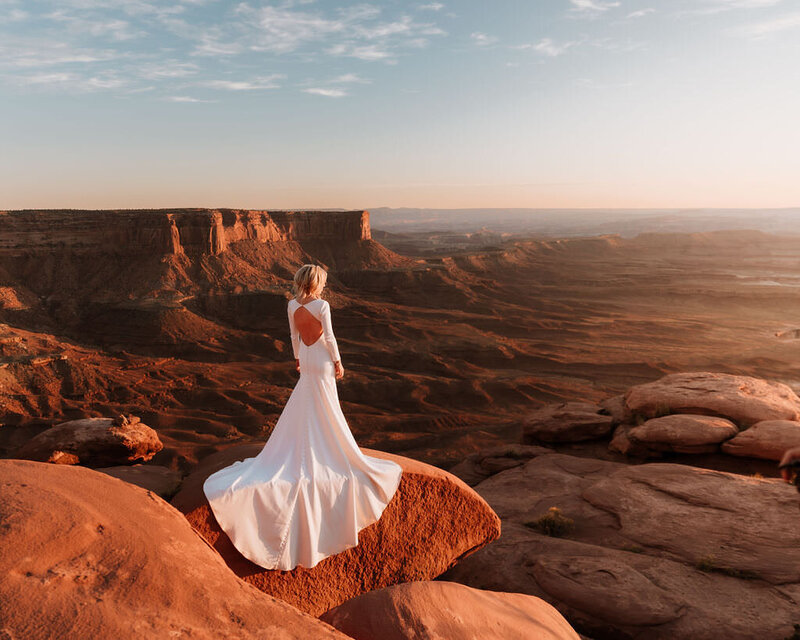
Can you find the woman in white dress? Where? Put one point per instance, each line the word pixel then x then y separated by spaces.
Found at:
pixel 310 490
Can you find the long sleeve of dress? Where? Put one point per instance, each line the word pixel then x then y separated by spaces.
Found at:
pixel 327 331
pixel 294 333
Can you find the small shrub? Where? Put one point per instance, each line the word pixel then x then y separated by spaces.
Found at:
pixel 553 523
pixel 706 563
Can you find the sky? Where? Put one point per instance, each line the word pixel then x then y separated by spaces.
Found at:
pixel 454 104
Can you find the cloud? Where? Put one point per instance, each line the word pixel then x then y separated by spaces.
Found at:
pixel 168 69
pixel 433 6
pixel 787 22
pixel 264 82
pixel 327 92
pixel 592 7
pixel 482 39
pixel 640 13
pixel 547 47
pixel 184 99
pixel 350 77
pixel 362 52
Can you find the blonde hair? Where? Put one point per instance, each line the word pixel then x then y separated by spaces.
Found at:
pixel 309 280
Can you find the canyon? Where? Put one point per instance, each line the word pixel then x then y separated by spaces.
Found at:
pixel 474 352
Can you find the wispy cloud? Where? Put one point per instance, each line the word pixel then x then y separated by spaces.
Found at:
pixel 592 7
pixel 763 29
pixel 263 82
pixel 641 13
pixel 184 99
pixel 547 47
pixel 327 92
pixel 433 6
pixel 482 39
pixel 350 77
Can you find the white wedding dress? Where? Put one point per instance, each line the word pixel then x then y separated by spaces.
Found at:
pixel 310 490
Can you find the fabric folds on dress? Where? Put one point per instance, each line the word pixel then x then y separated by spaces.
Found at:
pixel 310 490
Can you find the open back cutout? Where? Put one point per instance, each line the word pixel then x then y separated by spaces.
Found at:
pixel 309 328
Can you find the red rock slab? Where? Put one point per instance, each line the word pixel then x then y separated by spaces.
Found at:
pixel 433 520
pixel 94 442
pixel 743 399
pixel 684 433
pixel 85 555
pixel 768 440
pixel 441 609
pixel 567 422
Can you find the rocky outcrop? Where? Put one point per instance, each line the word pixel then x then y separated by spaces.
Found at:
pixel 482 464
pixel 432 521
pixel 768 440
pixel 657 551
pixel 88 556
pixel 169 231
pixel 441 609
pixel 93 442
pixel 742 399
pixel 567 422
pixel 683 433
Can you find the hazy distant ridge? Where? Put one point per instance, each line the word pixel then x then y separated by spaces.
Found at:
pixel 572 222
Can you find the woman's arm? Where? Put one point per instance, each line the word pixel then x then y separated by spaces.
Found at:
pixel 327 332
pixel 293 333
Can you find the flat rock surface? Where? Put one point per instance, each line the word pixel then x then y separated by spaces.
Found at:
pixel 659 551
pixel 743 399
pixel 684 433
pixel 567 422
pixel 432 521
pixel 93 442
pixel 161 480
pixel 85 555
pixel 432 610
pixel 768 440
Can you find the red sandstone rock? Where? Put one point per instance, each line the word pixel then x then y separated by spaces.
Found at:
pixel 479 466
pixel 93 442
pixel 768 440
pixel 683 433
pixel 85 555
pixel 433 520
pixel 657 552
pixel 567 422
pixel 742 399
pixel 448 610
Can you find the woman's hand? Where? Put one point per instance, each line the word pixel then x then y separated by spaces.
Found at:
pixel 339 369
pixel 297 364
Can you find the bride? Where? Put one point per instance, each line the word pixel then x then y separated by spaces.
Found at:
pixel 310 490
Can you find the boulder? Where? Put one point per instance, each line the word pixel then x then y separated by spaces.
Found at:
pixel 566 422
pixel 93 442
pixel 440 609
pixel 86 555
pixel 162 481
pixel 476 467
pixel 657 551
pixel 742 399
pixel 683 433
pixel 433 520
pixel 615 407
pixel 768 440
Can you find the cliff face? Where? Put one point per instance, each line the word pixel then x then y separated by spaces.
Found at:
pixel 170 231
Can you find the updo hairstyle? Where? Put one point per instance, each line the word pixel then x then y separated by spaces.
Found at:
pixel 309 280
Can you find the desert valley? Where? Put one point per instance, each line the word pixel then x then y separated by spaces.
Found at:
pixel 574 416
